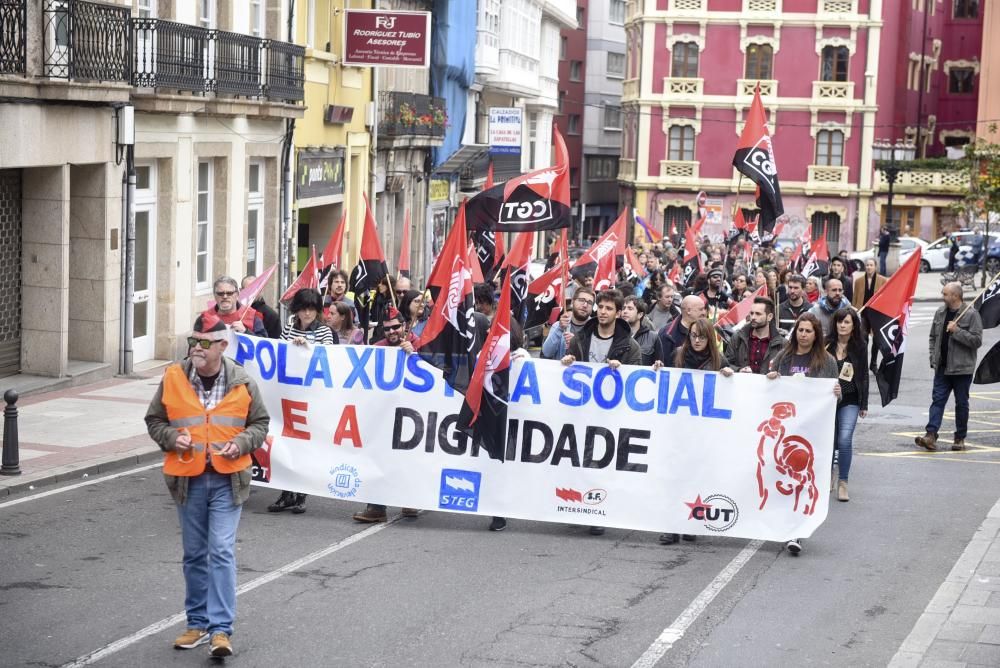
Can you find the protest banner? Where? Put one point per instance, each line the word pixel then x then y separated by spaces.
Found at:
pixel 673 450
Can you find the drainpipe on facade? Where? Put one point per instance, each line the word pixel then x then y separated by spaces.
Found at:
pixel 374 134
pixel 129 247
pixel 284 259
pixel 121 296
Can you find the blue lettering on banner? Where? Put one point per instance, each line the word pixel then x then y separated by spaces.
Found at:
pixel 459 490
pixel 283 377
pixel 616 383
pixel 319 368
pixel 684 396
pixel 380 367
pixel 708 408
pixel 344 482
pixel 266 370
pixel 413 365
pixel 574 385
pixel 244 349
pixel 630 394
pixel 358 372
pixel 526 384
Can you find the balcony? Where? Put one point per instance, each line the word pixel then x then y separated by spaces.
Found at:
pixel 833 91
pixel 173 57
pixel 827 178
pixel 411 120
pixel 85 41
pixel 13 36
pixel 687 5
pixel 679 171
pixel 838 6
pixel 762 6
pixel 926 182
pixel 745 87
pixel 683 87
pixel 630 89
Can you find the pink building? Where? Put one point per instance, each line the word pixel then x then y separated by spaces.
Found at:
pixel 835 76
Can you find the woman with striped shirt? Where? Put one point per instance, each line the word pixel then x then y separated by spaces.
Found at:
pixel 302 328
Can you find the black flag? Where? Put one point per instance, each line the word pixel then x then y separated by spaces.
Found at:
pixel 988 305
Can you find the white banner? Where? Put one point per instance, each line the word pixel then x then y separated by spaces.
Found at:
pixel 671 450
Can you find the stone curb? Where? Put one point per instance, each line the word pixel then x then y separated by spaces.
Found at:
pixel 74 472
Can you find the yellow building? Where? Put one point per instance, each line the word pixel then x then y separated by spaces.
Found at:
pixel 989 83
pixel 332 142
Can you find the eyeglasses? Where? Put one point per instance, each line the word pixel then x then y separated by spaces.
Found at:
pixel 585 301
pixel 225 294
pixel 699 337
pixel 205 344
pixel 393 328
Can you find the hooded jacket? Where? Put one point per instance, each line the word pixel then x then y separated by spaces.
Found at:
pixel 623 347
pixel 645 336
pixel 824 311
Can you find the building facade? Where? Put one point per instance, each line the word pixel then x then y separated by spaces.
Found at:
pixel 829 71
pixel 570 117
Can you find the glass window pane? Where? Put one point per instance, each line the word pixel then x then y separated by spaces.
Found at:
pixel 142 177
pixel 202 269
pixel 140 319
pixel 203 176
pixel 202 206
pixel 254 186
pixel 202 238
pixel 141 250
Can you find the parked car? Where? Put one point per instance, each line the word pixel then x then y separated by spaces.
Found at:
pixel 935 256
pixel 906 247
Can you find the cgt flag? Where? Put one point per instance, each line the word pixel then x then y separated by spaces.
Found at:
pixel 691 265
pixel 449 337
pixel 818 262
pixel 889 312
pixel 516 268
pixel 613 241
pixel 547 293
pixel 484 411
pixel 755 159
pixel 538 200
pixel 370 270
pixel 988 304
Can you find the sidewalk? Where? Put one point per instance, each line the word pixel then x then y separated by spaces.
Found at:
pixel 70 433
pixel 961 625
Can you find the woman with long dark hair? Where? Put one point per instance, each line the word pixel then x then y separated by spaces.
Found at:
pixel 849 351
pixel 805 354
pixel 411 306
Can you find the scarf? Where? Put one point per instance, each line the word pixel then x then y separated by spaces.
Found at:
pixel 695 360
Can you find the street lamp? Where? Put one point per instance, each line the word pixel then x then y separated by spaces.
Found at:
pixel 886 155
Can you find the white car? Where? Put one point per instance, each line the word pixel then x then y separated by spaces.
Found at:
pixel 936 254
pixel 906 247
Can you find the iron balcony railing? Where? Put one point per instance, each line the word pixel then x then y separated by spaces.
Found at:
pixel 13 20
pixel 87 41
pixel 177 56
pixel 412 114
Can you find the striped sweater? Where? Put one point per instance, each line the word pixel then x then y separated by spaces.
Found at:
pixel 317 332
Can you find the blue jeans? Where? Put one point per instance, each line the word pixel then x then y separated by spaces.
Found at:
pixel 882 257
pixel 843 443
pixel 208 530
pixel 943 386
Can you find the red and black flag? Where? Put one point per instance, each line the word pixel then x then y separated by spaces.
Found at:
pixel 755 159
pixel 888 313
pixel 613 242
pixel 449 337
pixel 517 267
pixel 691 265
pixel 988 304
pixel 547 293
pixel 369 272
pixel 632 268
pixel 403 267
pixel 537 200
pixel 484 411
pixel 307 278
pixel 605 278
pixel 818 262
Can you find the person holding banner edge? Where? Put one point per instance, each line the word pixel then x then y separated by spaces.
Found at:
pixel 805 354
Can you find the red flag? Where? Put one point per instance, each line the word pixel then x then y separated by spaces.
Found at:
pixel 613 241
pixel 501 256
pixel 752 226
pixel 604 277
pixel 675 273
pixel 334 250
pixel 778 229
pixel 249 294
pixel 484 411
pixel 818 261
pixel 738 313
pixel 739 222
pixel 632 265
pixel 888 313
pixel 537 200
pixel 489 177
pixel 371 268
pixel 403 268
pixel 546 296
pixel 754 159
pixel 474 266
pixel 307 278
pixel 698 225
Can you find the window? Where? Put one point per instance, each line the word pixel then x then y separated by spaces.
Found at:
pixel 759 59
pixel 601 168
pixel 905 218
pixel 616 12
pixel 580 25
pixel 562 100
pixel 684 60
pixel 957 140
pixel 257 18
pixel 203 229
pixel 574 177
pixel 143 177
pixel 562 47
pixel 573 124
pixel 681 145
pixel 834 66
pixel 960 80
pixel 612 118
pixel 146 9
pixel 575 70
pixel 616 64
pixel 966 9
pixel 676 219
pixel 206 13
pixel 255 219
pixel 830 148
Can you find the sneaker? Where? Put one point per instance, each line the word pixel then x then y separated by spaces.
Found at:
pixel 191 638
pixel 669 538
pixel 369 516
pixel 959 445
pixel 794 546
pixel 299 504
pixel 596 531
pixel 842 491
pixel 498 524
pixel 410 513
pixel 284 502
pixel 927 441
pixel 220 645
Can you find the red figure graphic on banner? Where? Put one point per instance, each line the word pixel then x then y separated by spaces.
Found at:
pixel 785 462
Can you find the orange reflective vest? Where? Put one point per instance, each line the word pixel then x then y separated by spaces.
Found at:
pixel 208 428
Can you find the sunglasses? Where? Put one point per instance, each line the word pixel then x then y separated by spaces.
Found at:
pixel 393 328
pixel 225 294
pixel 205 344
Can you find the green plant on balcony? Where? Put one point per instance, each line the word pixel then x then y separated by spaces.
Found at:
pixel 407 115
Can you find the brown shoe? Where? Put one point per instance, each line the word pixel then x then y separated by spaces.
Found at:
pixel 370 516
pixel 959 445
pixel 220 645
pixel 842 491
pixel 410 513
pixel 927 441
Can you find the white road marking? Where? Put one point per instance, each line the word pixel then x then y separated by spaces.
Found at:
pixel 78 485
pixel 675 631
pixel 166 623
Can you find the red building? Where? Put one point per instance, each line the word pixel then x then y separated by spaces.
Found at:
pixel 572 86
pixel 835 76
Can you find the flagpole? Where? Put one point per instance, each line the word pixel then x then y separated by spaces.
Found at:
pixel 985 288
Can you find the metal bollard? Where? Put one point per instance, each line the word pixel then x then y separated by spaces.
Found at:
pixel 11 458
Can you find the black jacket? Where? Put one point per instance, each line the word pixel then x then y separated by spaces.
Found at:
pixel 668 341
pixel 272 321
pixel 738 350
pixel 858 357
pixel 645 336
pixel 623 347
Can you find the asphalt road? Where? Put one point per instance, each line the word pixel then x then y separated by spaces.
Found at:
pixel 97 568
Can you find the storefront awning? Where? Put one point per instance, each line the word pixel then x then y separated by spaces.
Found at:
pixel 460 158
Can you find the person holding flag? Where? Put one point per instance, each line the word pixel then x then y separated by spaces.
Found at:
pixel 270 317
pixel 569 324
pixel 240 317
pixel 955 337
